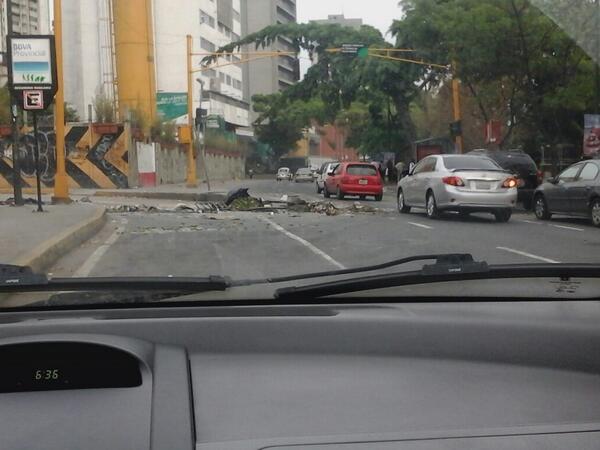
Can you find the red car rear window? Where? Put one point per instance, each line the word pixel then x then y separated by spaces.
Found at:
pixel 362 170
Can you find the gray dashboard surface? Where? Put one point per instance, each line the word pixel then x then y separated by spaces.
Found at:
pixel 262 377
pixel 253 396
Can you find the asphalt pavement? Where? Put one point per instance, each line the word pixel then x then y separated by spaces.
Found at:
pixel 245 245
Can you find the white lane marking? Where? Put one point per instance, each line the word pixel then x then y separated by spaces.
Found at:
pixel 532 222
pixel 567 228
pixel 420 225
pixel 88 266
pixel 528 255
pixel 307 244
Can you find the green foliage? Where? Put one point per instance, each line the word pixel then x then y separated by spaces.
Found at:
pixel 71 113
pixel 138 119
pixel 5 115
pixel 216 140
pixel 104 109
pixel 164 132
pixel 282 120
pixel 332 86
pixel 514 61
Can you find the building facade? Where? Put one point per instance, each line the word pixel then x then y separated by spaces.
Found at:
pixel 339 19
pixel 269 75
pixel 104 60
pixel 212 24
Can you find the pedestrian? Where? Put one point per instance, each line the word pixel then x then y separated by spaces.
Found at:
pixel 400 169
pixel 251 173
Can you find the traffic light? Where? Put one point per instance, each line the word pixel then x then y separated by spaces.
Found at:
pixel 456 129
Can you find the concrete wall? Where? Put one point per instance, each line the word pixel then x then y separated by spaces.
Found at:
pixel 171 166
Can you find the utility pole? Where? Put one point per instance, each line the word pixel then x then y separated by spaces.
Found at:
pixel 16 156
pixel 61 184
pixel 457 109
pixel 192 180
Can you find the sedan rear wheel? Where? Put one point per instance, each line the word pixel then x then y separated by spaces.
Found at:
pixel 432 209
pixel 402 208
pixel 339 195
pixel 540 208
pixel 595 212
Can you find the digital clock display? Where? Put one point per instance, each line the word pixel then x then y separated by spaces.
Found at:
pixel 52 366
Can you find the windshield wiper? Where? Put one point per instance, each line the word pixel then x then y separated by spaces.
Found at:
pixel 447 268
pixel 15 279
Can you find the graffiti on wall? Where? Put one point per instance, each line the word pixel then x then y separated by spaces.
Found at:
pixel 96 157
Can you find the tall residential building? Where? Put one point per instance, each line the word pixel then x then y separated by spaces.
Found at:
pixel 269 75
pixel 107 38
pixel 212 24
pixel 28 17
pixel 339 19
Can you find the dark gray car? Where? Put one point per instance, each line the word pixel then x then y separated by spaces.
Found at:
pixel 575 192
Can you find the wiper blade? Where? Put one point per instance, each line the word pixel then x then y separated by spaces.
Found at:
pixel 438 273
pixel 19 276
pixel 160 284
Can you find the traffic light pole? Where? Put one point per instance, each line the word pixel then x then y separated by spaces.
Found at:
pixel 192 179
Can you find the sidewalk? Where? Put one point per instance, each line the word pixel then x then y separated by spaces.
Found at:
pixel 28 238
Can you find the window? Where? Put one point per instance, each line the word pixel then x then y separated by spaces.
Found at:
pixel 228 80
pixel 589 172
pixel 365 170
pixel 207 19
pixel 427 165
pixel 237 84
pixel 222 77
pixel 337 170
pixel 457 162
pixel 207 45
pixel 570 173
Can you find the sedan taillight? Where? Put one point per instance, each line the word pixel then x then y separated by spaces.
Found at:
pixel 453 181
pixel 509 183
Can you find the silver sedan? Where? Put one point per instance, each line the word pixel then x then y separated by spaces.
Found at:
pixel 462 183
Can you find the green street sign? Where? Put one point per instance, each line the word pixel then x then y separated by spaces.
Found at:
pixel 171 105
pixel 363 53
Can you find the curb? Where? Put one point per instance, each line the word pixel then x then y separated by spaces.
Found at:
pixel 46 254
pixel 183 196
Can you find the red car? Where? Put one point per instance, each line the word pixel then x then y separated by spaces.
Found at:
pixel 355 178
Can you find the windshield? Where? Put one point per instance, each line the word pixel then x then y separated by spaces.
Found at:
pixel 470 163
pixel 256 140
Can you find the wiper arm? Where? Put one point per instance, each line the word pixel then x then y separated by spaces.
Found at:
pixel 442 271
pixel 458 258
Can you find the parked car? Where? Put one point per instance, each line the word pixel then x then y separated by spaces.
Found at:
pixel 462 183
pixel 522 166
pixel 361 179
pixel 284 174
pixel 575 192
pixel 303 175
pixel 322 175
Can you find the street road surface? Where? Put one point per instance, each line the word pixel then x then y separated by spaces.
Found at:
pixel 245 245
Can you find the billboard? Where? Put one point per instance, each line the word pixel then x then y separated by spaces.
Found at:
pixel 31 61
pixel 171 105
pixel 591 135
pixel 32 70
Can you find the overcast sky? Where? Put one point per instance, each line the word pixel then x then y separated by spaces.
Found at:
pixel 379 13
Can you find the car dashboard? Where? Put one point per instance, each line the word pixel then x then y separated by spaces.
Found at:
pixel 361 376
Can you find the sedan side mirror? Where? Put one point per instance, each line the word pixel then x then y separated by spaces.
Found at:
pixel 553 180
pixel 330 173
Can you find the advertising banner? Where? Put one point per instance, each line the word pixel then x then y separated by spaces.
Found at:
pixel 591 135
pixel 171 105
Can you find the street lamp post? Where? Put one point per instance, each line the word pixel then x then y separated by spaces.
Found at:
pixel 192 180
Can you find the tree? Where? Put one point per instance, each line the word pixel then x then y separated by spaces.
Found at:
pixel 516 63
pixel 282 120
pixel 337 81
